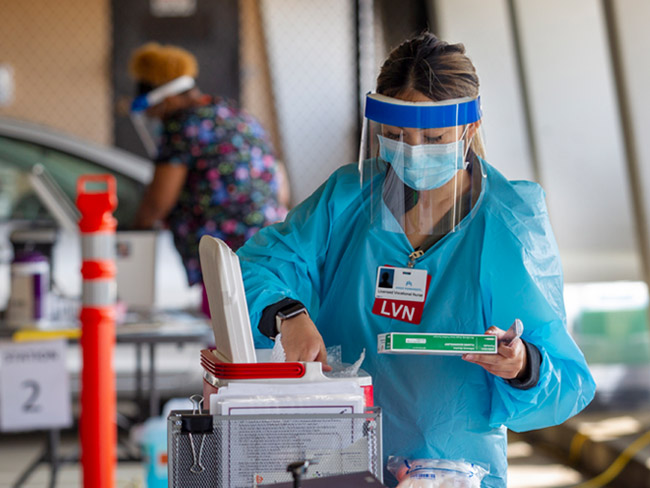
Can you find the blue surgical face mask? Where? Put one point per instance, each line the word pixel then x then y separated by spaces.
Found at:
pixel 423 167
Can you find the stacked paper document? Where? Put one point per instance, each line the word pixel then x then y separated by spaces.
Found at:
pixel 277 398
pixel 254 439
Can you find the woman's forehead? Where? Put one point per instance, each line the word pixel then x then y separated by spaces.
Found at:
pixel 437 130
pixel 412 95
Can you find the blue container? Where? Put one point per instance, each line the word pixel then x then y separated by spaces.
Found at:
pixel 154 446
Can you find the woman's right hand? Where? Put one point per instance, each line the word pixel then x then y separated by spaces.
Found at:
pixel 302 341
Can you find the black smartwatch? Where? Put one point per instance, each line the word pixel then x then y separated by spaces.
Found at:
pixel 287 312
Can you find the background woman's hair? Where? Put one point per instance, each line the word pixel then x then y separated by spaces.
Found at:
pixel 155 64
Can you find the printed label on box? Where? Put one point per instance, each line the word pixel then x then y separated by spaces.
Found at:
pixel 396 342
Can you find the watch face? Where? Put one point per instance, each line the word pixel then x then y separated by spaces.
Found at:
pixel 292 310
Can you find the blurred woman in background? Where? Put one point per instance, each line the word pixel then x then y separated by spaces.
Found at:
pixel 215 170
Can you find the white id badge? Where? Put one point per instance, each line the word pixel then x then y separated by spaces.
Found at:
pixel 404 284
pixel 400 293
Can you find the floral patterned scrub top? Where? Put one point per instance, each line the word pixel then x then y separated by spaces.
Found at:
pixel 232 181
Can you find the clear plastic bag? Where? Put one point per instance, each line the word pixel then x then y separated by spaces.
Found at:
pixel 334 359
pixel 435 473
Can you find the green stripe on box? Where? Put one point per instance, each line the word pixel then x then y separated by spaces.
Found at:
pixel 441 342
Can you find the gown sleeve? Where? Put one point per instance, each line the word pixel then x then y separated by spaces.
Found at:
pixel 522 278
pixel 285 260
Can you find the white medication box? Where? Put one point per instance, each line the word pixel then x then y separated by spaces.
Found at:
pixel 414 343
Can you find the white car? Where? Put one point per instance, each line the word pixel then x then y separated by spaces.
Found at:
pixel 27 219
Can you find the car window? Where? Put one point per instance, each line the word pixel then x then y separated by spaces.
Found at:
pixel 18 200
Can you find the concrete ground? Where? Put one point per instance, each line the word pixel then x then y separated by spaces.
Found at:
pixel 610 439
pixel 530 467
pixel 607 445
pixel 611 446
pixel 556 457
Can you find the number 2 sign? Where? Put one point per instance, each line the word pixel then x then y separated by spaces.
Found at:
pixel 34 386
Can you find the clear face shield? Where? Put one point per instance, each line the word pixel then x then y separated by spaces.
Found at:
pixel 417 161
pixel 147 127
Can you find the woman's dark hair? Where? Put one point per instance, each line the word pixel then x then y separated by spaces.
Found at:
pixel 433 67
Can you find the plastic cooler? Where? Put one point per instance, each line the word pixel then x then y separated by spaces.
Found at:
pixel 217 374
pixel 234 359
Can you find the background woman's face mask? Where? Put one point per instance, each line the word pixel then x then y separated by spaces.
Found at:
pixel 425 166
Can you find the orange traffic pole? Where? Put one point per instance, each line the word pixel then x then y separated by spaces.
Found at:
pixel 98 429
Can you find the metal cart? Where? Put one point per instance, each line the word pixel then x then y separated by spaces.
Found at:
pixel 244 451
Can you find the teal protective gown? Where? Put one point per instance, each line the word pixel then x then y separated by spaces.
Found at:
pixel 501 263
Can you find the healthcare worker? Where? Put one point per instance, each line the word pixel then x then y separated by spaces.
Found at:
pixel 215 170
pixel 476 250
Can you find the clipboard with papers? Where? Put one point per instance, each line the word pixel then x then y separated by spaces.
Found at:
pixel 237 451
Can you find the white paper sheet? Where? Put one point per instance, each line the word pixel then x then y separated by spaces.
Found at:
pixel 279 398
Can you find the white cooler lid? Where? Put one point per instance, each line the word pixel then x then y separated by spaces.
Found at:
pixel 225 289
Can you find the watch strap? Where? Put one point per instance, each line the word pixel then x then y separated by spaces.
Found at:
pixel 267 324
pixel 287 312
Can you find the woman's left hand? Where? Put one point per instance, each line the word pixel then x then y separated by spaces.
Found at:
pixel 510 360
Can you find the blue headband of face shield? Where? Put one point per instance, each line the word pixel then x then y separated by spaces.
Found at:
pixel 422 115
pixel 157 95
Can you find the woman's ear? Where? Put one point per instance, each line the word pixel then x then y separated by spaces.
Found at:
pixel 472 128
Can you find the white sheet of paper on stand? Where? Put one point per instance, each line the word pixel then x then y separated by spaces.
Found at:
pixel 336 441
pixel 227 299
pixel 273 398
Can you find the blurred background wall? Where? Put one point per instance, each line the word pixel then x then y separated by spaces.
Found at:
pixel 563 88
pixel 552 114
pixel 59 53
